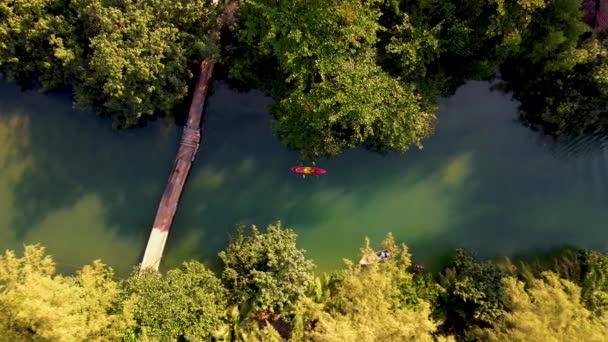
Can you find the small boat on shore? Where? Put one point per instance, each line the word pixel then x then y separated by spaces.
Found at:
pixel 377 256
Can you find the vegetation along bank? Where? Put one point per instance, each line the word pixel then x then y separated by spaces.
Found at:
pixel 266 291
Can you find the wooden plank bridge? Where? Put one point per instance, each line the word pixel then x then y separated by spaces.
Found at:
pixel 189 144
pixel 188 147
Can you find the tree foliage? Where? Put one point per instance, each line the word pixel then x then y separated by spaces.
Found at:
pixel 594 281
pixel 37 305
pixel 562 103
pixel 381 301
pixel 266 269
pixel 186 303
pixel 473 292
pixel 560 73
pixel 331 94
pixel 139 54
pixel 128 59
pixel 443 43
pixel 552 40
pixel 367 304
pixel 586 268
pixel 38 40
pixel 347 72
pixel 549 310
pixel 344 73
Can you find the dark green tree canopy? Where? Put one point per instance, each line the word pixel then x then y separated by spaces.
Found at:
pixel 473 292
pixel 129 59
pixel 344 73
pixel 266 269
pixel 330 92
pixel 560 73
pixel 567 102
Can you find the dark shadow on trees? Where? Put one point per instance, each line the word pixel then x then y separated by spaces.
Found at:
pixel 564 106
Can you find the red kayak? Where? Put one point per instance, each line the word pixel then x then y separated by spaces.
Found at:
pixel 308 170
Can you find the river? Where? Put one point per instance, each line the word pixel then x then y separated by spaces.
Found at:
pixel 483 181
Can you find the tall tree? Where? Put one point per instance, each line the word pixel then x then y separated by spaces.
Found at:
pixel 549 310
pixel 37 305
pixel 473 293
pixel 367 305
pixel 137 62
pixel 559 74
pixel 38 39
pixel 440 44
pixel 127 59
pixel 187 303
pixel 567 102
pixel 266 269
pixel 331 94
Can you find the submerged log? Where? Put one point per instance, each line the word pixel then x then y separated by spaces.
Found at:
pixel 189 144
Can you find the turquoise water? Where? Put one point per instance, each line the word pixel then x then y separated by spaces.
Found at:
pixel 482 181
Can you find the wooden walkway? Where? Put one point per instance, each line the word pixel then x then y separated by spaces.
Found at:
pixel 191 139
pixel 188 147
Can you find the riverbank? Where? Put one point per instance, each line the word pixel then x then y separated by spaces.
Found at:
pixel 252 294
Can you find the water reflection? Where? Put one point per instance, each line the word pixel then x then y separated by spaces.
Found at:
pixel 68 180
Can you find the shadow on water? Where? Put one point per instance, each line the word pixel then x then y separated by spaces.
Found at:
pixel 482 181
pixel 83 189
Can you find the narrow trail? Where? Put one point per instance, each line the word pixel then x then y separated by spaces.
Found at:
pixel 186 153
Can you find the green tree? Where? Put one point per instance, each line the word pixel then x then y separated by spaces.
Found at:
pixel 559 74
pixel 473 293
pixel 594 282
pixel 189 302
pixel 139 54
pixel 586 268
pixel 553 37
pixel 331 94
pixel 563 103
pixel 38 40
pixel 127 59
pixel 37 305
pixel 549 310
pixel 266 269
pixel 367 304
pixel 440 44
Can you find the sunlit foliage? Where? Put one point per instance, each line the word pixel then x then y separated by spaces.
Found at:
pixel 266 269
pixel 36 40
pixel 343 73
pixel 549 310
pixel 139 54
pixel 38 305
pixel 367 304
pixel 187 303
pixel 381 301
pixel 128 59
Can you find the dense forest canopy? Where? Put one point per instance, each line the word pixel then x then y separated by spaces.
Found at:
pixel 129 59
pixel 344 73
pixel 256 297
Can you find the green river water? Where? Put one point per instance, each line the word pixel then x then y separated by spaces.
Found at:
pixel 483 181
